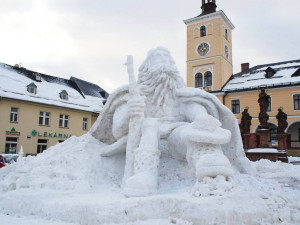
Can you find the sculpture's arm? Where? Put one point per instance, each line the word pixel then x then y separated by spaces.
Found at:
pixel 120 122
pixel 194 102
pixel 190 110
pixel 118 147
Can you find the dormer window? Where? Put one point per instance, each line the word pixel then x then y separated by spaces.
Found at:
pixel 63 95
pixel 270 72
pixel 102 93
pixel 31 88
pixel 37 77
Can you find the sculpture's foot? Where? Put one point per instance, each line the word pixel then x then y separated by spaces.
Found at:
pixel 212 186
pixel 212 165
pixel 214 174
pixel 140 185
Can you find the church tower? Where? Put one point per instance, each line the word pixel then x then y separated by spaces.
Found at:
pixel 209 48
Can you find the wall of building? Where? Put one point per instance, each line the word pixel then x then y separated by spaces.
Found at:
pixel 28 130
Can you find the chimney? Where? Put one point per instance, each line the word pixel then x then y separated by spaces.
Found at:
pixel 245 66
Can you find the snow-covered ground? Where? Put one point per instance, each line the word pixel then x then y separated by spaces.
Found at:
pixel 71 183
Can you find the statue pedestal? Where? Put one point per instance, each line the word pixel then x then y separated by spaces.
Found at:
pixel 246 138
pixel 263 138
pixel 283 144
pixel 282 141
pixel 249 141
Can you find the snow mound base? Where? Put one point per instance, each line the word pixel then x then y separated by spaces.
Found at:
pixel 72 183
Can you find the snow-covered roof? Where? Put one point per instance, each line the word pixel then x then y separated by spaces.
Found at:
pixel 286 74
pixel 14 81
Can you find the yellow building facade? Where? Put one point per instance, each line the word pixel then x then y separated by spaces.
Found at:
pixel 237 91
pixel 33 136
pixel 38 111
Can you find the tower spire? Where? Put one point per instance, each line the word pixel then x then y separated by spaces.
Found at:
pixel 208 6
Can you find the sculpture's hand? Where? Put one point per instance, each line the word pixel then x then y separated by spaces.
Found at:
pixel 136 106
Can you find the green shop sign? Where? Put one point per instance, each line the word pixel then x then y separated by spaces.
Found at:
pixel 49 134
pixel 12 132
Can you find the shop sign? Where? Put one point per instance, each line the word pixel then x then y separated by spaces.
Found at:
pixel 13 132
pixel 49 134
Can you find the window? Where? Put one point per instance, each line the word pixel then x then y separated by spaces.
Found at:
pixel 63 95
pixel 42 145
pixel 202 31
pixel 296 102
pixel 38 77
pixel 14 115
pixel 269 74
pixel 63 121
pixel 198 80
pixel 31 88
pixel 11 145
pixel 85 123
pixel 235 106
pixel 226 34
pixel 273 134
pixel 269 109
pixel 207 79
pixel 44 118
pixel 102 93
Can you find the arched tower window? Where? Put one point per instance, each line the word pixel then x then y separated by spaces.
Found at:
pixel 202 31
pixel 226 34
pixel 207 79
pixel 198 80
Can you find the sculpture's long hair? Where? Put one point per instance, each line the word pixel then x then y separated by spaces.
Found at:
pixel 159 77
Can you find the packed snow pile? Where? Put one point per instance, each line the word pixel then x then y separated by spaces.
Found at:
pixel 159 153
pixel 72 183
pixel 71 165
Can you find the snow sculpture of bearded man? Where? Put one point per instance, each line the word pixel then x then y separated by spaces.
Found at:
pixel 159 114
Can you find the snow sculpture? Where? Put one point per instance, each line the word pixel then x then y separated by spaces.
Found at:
pixel 159 115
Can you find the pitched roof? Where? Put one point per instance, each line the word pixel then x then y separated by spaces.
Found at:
pixel 14 80
pixel 285 75
pixel 88 88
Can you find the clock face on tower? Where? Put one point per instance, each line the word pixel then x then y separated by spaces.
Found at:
pixel 203 48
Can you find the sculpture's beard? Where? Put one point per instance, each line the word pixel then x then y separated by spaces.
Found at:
pixel 159 83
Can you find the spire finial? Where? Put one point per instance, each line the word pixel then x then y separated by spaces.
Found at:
pixel 208 6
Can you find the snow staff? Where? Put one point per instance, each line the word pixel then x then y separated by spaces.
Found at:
pixel 186 123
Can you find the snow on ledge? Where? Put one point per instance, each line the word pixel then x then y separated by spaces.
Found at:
pixel 262 150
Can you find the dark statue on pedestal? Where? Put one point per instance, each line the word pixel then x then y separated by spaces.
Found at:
pixel 282 123
pixel 263 104
pixel 283 138
pixel 245 122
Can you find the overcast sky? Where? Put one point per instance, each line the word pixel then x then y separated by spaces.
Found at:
pixel 89 39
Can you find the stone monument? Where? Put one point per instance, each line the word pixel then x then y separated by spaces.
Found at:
pixel 283 138
pixel 249 140
pixel 263 128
